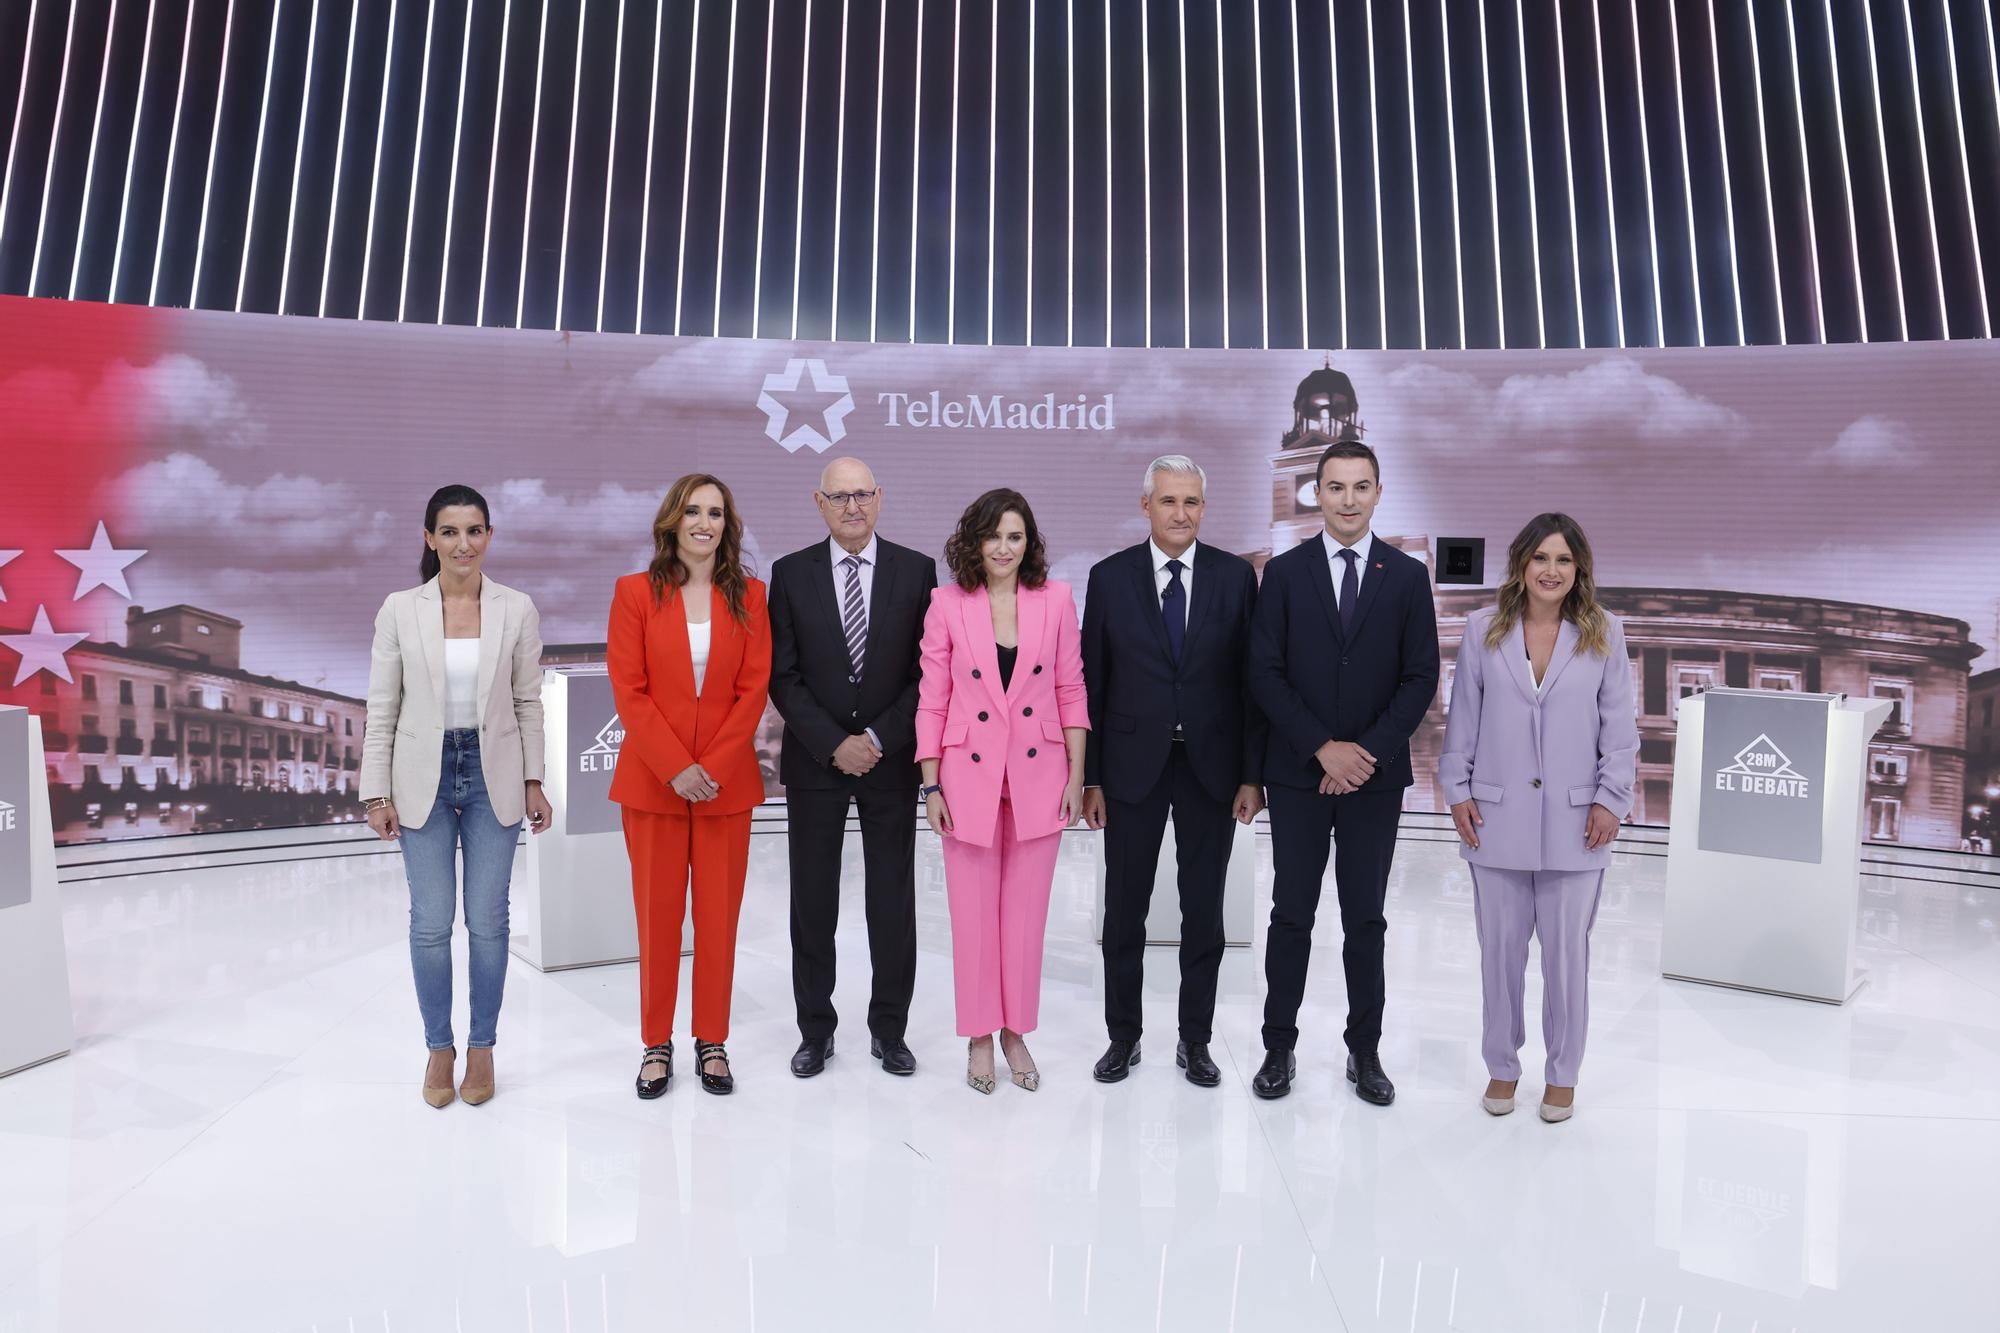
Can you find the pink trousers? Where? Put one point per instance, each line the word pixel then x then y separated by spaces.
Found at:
pixel 999 898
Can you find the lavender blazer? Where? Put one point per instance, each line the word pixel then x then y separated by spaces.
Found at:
pixel 1536 764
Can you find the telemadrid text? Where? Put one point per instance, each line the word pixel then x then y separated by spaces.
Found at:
pixel 934 411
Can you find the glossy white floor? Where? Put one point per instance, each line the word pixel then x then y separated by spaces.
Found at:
pixel 237 1142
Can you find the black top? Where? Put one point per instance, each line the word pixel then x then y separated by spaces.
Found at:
pixel 1007 657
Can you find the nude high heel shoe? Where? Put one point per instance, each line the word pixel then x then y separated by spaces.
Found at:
pixel 979 1083
pixel 439 1097
pixel 477 1094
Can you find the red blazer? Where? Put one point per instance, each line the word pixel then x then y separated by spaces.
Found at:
pixel 666 726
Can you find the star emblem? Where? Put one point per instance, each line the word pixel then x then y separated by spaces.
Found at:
pixel 5 557
pixel 101 566
pixel 42 649
pixel 799 418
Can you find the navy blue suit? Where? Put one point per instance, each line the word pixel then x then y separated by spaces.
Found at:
pixel 1371 685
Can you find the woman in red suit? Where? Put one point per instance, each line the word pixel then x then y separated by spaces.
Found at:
pixel 690 658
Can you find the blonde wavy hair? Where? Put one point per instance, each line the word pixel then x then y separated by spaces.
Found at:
pixel 1580 607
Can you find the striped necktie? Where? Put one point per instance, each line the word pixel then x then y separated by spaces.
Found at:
pixel 854 613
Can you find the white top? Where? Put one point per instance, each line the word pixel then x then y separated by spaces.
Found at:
pixel 698 649
pixel 867 556
pixel 461 684
pixel 1162 577
pixel 1360 549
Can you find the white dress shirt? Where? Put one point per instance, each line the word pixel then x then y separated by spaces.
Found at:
pixel 1162 576
pixel 698 641
pixel 461 684
pixel 1360 549
pixel 866 574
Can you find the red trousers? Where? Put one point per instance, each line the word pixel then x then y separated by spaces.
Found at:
pixel 668 852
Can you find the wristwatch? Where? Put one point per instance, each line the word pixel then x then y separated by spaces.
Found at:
pixel 925 793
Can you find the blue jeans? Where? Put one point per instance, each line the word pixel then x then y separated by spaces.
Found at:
pixel 461 815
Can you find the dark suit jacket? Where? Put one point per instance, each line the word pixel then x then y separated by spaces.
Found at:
pixel 1137 692
pixel 1316 686
pixel 814 686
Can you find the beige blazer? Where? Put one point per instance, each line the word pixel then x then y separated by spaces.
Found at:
pixel 403 749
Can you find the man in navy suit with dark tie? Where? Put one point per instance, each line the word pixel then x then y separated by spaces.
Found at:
pixel 1171 730
pixel 1344 663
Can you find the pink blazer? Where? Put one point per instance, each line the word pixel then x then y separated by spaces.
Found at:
pixel 1536 763
pixel 986 738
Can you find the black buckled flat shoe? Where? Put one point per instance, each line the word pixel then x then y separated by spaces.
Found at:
pixel 1193 1057
pixel 811 1056
pixel 720 1084
pixel 1275 1075
pixel 1116 1062
pixel 1371 1085
pixel 894 1054
pixel 663 1056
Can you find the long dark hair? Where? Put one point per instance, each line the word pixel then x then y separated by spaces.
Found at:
pixel 981 520
pixel 1580 607
pixel 444 498
pixel 668 570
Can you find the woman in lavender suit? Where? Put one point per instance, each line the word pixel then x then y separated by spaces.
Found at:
pixel 1538 753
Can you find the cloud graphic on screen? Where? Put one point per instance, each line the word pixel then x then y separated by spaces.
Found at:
pixel 1609 404
pixel 1873 441
pixel 180 403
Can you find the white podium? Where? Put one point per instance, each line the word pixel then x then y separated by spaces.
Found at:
pixel 35 1018
pixel 1163 917
pixel 572 901
pixel 1764 852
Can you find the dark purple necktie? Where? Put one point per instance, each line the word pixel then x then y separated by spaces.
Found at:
pixel 1350 588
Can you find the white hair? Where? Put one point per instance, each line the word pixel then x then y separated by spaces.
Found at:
pixel 1172 463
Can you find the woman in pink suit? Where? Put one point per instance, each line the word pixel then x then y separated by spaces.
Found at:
pixel 1001 720
pixel 1539 748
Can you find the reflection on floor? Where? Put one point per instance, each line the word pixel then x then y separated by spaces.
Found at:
pixel 238 1142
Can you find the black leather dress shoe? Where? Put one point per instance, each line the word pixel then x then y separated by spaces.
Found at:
pixel 1116 1062
pixel 1370 1083
pixel 1193 1057
pixel 811 1056
pixel 1275 1075
pixel 894 1054
pixel 706 1052
pixel 656 1057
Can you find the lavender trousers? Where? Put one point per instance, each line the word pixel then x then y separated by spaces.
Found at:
pixel 1559 907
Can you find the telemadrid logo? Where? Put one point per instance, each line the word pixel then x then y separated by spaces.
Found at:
pixel 819 434
pixel 1762 769
pixel 934 411
pixel 6 817
pixel 601 755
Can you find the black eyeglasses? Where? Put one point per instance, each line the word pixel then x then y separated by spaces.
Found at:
pixel 842 499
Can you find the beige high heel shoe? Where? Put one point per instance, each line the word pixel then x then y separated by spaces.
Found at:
pixel 1498 1105
pixel 1027 1079
pixel 980 1083
pixel 440 1097
pixel 477 1094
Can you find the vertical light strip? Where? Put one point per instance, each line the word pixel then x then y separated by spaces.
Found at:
pixel 951 252
pixel 1107 173
pixel 90 162
pixel 1375 166
pixel 298 153
pixel 257 156
pixel 1416 180
pixel 799 187
pixel 457 132
pixel 840 181
pixel 916 168
pixel 687 167
pixel 992 156
pixel 132 150
pixel 1965 172
pixel 569 165
pixel 1882 150
pixel 1222 147
pixel 1924 153
pixel 416 161
pixel 1451 151
pixel 1299 170
pixel 214 141
pixel 1687 174
pixel 1339 178
pixel 1146 157
pixel 1846 171
pixel 1187 236
pixel 1646 164
pixel 21 102
pixel 1263 223
pixel 375 173
pixel 875 171
pixel 1069 80
pixel 493 158
pixel 1493 180
pixel 1770 209
pixel 1805 165
pixel 1534 209
pixel 611 163
pixel 1569 176
pixel 339 155
pixel 534 145
pixel 1028 283
pixel 722 189
pixel 1728 191
pixel 1610 195
pixel 646 187
pixel 763 179
pixel 55 136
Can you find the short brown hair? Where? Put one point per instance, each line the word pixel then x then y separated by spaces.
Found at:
pixel 1347 449
pixel 981 520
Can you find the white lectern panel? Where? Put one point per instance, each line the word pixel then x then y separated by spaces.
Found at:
pixel 1767 922
pixel 35 1018
pixel 1163 917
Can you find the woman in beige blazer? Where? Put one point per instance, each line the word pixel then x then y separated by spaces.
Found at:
pixel 453 759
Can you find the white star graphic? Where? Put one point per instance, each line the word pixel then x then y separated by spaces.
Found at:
pixel 101 566
pixel 41 648
pixel 820 435
pixel 5 557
